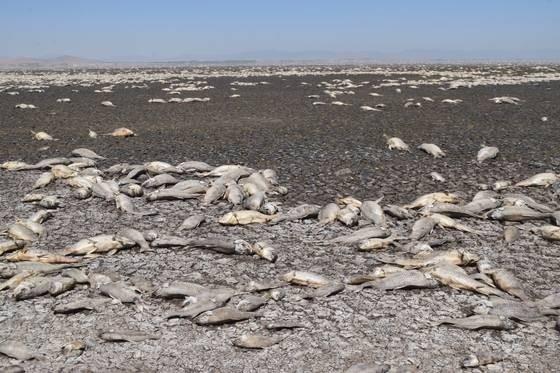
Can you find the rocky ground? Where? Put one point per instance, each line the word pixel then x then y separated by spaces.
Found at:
pixel 319 152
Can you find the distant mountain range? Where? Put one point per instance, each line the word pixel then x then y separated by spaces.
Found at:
pixel 277 56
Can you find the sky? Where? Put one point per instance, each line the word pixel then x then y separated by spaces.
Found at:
pixel 230 29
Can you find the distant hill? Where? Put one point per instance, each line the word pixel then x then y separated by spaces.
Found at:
pixel 56 62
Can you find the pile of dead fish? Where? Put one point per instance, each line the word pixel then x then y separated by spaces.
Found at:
pixel 252 198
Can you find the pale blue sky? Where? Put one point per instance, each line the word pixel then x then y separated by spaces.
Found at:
pixel 252 28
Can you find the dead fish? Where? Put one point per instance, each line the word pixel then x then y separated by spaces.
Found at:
pixel 514 310
pixel 132 190
pixel 506 281
pixel 432 150
pixel 244 217
pixel 436 176
pixel 481 358
pixel 179 289
pixel 37 228
pixel 32 197
pixel 479 322
pixel 234 194
pixel 59 285
pixel 550 232
pixel 49 163
pixel 14 165
pixel 328 213
pixel 446 222
pixel 456 278
pixel 191 186
pixel 362 235
pixel 204 302
pixel 78 275
pixel 135 236
pixel 254 202
pixel 191 222
pixel 19 232
pixel 49 202
pixel 136 171
pixel 125 335
pixel 191 166
pixel 122 132
pixel 422 227
pixel 103 243
pixel 297 213
pixel 257 341
pixel 424 259
pixel 32 287
pixel 16 350
pixel 61 171
pixel 270 175
pixel 42 136
pixel 349 215
pixel 376 244
pixel 432 198
pixel 511 234
pixel 397 212
pixel 514 213
pixel 251 303
pixel 411 279
pixel 214 193
pixel 480 205
pixel 260 181
pixel 225 169
pixel 15 280
pixel 11 245
pixel 372 211
pixel 86 182
pixel 105 190
pixel 40 256
pixel 86 153
pixel 45 179
pixel 96 280
pixel 265 251
pixel 348 201
pixel 235 176
pixel 486 152
pixel 159 180
pixel 125 204
pixel 305 278
pixel 121 292
pixel 450 210
pixel 518 199
pixel 223 315
pixel 396 143
pixel 485 194
pixel 378 272
pixel 550 301
pixel 221 245
pixel 543 179
pixel 325 291
pixel 171 194
pixel 8 270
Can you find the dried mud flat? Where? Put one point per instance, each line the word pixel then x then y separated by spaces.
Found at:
pixel 319 151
